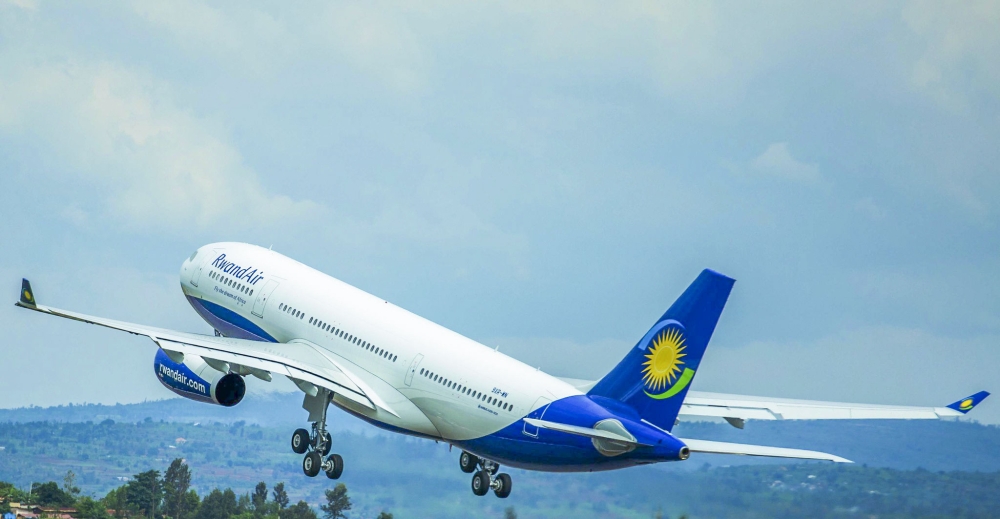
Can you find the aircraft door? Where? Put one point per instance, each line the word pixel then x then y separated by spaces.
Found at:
pixel 196 277
pixel 541 405
pixel 413 368
pixel 265 293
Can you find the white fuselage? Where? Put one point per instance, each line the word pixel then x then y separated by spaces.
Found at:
pixel 441 384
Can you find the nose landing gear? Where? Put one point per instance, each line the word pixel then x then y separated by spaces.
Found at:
pixel 318 444
pixel 486 477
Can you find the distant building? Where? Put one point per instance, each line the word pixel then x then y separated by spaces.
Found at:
pixel 24 510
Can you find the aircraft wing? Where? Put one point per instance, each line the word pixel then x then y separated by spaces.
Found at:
pixel 758 450
pixel 738 408
pixel 306 364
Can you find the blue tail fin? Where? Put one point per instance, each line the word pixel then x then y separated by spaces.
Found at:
pixel 655 375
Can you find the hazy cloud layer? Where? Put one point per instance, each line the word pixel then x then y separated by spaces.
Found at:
pixel 545 178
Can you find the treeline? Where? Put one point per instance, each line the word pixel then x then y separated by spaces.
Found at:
pixel 170 496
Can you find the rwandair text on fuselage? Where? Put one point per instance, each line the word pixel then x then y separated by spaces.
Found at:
pixel 236 271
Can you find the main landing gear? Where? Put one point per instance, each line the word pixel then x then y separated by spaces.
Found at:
pixel 318 445
pixel 485 475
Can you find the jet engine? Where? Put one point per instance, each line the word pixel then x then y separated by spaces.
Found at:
pixel 191 377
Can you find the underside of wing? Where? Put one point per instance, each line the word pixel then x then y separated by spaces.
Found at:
pixel 310 367
pixel 758 450
pixel 737 408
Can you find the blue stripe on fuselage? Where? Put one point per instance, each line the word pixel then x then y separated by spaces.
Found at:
pixel 556 451
pixel 228 322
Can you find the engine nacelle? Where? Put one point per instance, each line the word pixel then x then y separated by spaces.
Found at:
pixel 193 378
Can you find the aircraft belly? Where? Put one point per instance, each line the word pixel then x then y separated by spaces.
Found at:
pixel 410 418
pixel 457 420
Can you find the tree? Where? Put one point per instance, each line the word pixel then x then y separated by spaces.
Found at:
pixel 145 492
pixel 9 493
pixel 244 505
pixel 191 504
pixel 218 504
pixel 337 502
pixel 49 494
pixel 115 500
pixel 69 484
pixel 176 482
pixel 384 515
pixel 87 508
pixel 280 496
pixel 300 510
pixel 259 498
pixel 509 513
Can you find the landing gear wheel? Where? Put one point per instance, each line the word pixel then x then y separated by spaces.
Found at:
pixel 334 466
pixel 300 441
pixel 502 485
pixel 312 463
pixel 468 462
pixel 480 483
pixel 327 445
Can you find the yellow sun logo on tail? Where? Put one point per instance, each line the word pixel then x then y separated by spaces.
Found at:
pixel 664 362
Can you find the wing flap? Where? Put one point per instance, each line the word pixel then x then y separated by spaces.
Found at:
pixel 741 449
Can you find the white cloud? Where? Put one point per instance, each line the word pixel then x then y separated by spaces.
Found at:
pixel 159 165
pixel 868 207
pixel 27 5
pixel 961 42
pixel 777 161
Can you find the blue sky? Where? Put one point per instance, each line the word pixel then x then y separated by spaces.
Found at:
pixel 546 178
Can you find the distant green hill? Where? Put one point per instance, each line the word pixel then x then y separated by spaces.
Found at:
pixel 420 478
pixel 904 444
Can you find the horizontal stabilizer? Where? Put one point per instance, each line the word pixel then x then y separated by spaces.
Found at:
pixel 583 431
pixel 759 450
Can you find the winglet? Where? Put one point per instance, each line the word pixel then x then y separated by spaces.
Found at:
pixel 27 296
pixel 966 404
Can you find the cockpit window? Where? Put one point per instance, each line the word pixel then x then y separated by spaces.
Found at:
pixel 193 254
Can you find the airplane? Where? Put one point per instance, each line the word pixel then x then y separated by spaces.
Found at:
pixel 274 316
